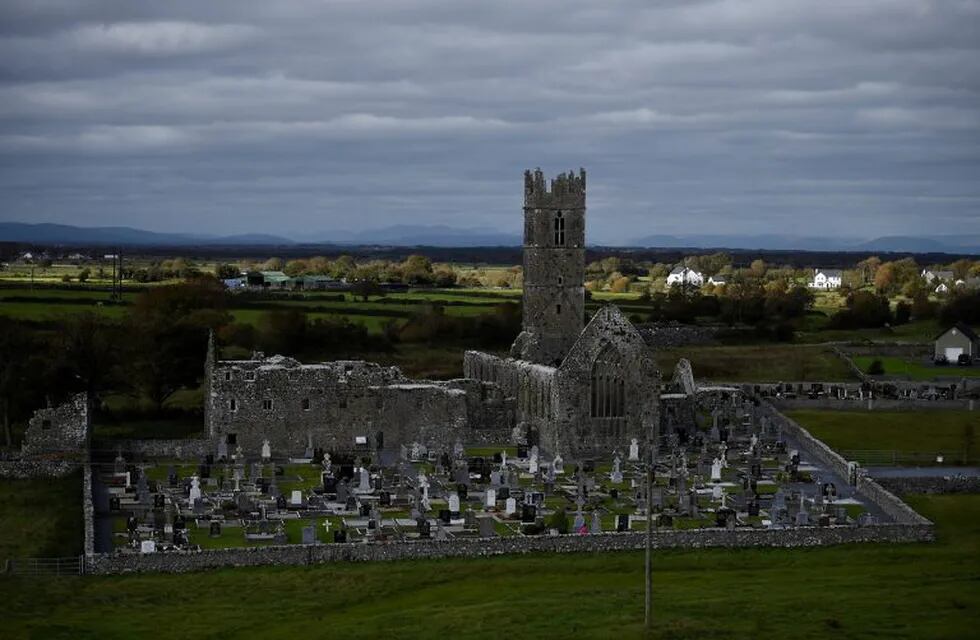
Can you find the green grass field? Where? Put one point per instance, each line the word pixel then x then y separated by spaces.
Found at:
pixel 915 369
pixel 41 518
pixel 856 591
pixel 758 363
pixel 908 432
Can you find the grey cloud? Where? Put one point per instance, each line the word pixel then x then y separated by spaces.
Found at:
pixel 291 116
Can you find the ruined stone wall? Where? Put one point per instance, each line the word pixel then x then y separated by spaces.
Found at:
pixel 181 448
pixel 529 387
pixel 486 547
pixel 575 432
pixel 334 403
pixel 37 468
pixel 63 429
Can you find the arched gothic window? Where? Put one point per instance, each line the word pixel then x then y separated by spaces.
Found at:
pixel 608 391
pixel 559 230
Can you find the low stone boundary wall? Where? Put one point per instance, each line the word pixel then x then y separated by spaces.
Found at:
pixel 158 448
pixel 26 469
pixel 876 404
pixel 814 446
pixel 182 562
pixel 955 484
pixel 893 507
pixel 898 350
pixel 88 511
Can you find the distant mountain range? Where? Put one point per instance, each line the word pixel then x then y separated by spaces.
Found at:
pixel 444 236
pixel 911 244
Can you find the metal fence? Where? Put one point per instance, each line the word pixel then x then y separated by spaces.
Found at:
pixel 72 566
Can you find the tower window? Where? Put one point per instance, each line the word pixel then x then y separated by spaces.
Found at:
pixel 267 405
pixel 559 230
pixel 233 405
pixel 306 404
pixel 557 309
pixel 561 280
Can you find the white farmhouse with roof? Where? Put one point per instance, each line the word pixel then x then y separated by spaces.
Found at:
pixel 683 275
pixel 826 278
pixel 931 275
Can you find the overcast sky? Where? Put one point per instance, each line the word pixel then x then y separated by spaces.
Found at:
pixel 828 117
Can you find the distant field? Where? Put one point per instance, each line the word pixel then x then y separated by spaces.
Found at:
pixel 922 433
pixel 915 368
pixel 758 363
pixel 862 591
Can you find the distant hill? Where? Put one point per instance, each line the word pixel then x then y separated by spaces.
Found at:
pixel 423 235
pixel 445 236
pixel 63 234
pixel 774 242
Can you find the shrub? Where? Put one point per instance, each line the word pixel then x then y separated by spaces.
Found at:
pixel 876 368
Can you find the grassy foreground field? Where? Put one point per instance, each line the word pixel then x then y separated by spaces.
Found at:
pixel 860 591
pixel 910 432
pixel 41 518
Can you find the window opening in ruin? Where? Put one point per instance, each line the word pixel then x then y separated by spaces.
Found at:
pixel 608 392
pixel 557 309
pixel 342 402
pixel 267 405
pixel 231 438
pixel 45 424
pixel 250 375
pixel 233 405
pixel 559 229
pixel 227 375
pixel 306 404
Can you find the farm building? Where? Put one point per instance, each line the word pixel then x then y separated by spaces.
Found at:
pixel 956 341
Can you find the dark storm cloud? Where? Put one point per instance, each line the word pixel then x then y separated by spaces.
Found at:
pixel 836 117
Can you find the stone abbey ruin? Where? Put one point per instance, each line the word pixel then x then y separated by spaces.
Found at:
pixel 543 449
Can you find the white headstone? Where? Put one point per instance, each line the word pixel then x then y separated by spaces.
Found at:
pixel 532 465
pixel 634 450
pixel 716 470
pixel 454 502
pixel 491 498
pixel 503 458
pixel 296 499
pixel 365 484
pixel 148 546
pixel 558 465
pixel 266 450
pixel 716 492
pixel 511 507
pixel 195 493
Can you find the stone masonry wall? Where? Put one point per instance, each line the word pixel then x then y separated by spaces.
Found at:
pixel 471 548
pixel 61 429
pixel 954 484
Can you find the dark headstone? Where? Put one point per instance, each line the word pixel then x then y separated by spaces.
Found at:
pixel 215 529
pixel 461 490
pixel 522 451
pixel 340 535
pixel 384 499
pixel 424 528
pixel 445 516
pixel 529 513
pixel 622 522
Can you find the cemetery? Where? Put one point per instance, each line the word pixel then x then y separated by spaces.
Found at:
pixel 737 476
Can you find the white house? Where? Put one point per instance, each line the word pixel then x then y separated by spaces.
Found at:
pixel 717 281
pixel 930 275
pixel 942 288
pixel 826 278
pixel 682 275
